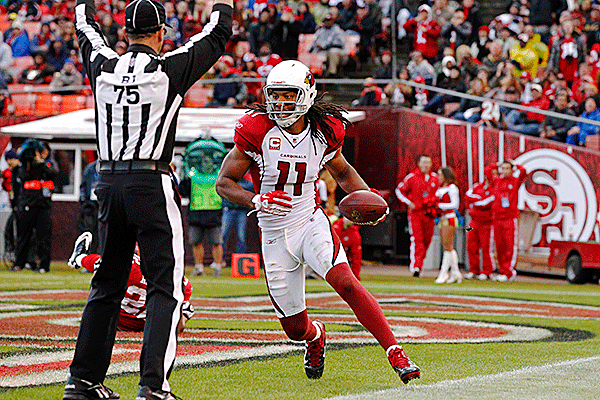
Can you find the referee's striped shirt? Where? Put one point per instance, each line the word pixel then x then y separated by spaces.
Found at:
pixel 138 94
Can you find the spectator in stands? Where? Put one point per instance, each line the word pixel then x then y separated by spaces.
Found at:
pixel 589 90
pixel 419 66
pixel 68 76
pixel 57 54
pixel 528 122
pixel 523 58
pixel 39 73
pixel 454 82
pixel 468 64
pixel 200 11
pixel 306 19
pixel 250 70
pixel 260 31
pixel 109 28
pixel 443 68
pixel 583 78
pixel 567 53
pixel 535 43
pixel 6 59
pixel 347 15
pixel 494 61
pixel 543 14
pixel 69 36
pixel 508 38
pixel 42 40
pixel 182 9
pixel 480 47
pixel 442 11
pixel 25 9
pixel 401 93
pixel 227 93
pixel 18 39
pixel 472 15
pixel 510 20
pixel 367 25
pixel 241 21
pixel 510 92
pixel 470 110
pixel 384 71
pixel 320 10
pixel 266 60
pixel 285 34
pixel 555 128
pixel 426 32
pixel 121 47
pixel 329 39
pixel 174 32
pixel 457 32
pixel 190 28
pixel 526 81
pixel 578 133
pixel 118 14
pixel 371 96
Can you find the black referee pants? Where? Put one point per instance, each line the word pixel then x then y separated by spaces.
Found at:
pixel 140 206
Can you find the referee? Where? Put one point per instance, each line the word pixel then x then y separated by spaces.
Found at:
pixel 138 96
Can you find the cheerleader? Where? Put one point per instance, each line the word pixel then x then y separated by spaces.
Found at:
pixel 448 202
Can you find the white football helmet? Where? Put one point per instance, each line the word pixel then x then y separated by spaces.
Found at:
pixel 294 76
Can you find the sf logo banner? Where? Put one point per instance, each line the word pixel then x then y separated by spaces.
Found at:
pixel 245 265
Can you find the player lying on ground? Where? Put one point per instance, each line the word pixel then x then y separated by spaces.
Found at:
pixel 132 316
pixel 285 144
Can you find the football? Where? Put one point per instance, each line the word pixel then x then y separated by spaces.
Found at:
pixel 363 206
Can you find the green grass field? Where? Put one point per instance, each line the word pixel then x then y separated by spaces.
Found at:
pixel 443 326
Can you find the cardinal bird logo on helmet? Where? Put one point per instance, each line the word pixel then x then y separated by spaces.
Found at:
pixel 310 79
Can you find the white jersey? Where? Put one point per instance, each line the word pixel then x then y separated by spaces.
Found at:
pixel 287 162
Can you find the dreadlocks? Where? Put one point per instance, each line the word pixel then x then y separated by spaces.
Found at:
pixel 317 116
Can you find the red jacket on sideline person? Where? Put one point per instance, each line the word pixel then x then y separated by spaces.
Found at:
pixel 479 200
pixel 506 192
pixel 416 186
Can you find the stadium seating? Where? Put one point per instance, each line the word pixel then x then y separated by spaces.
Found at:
pixel 197 96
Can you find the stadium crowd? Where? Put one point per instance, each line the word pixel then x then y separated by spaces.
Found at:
pixel 538 53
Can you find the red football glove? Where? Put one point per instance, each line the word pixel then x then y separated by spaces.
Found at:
pixel 276 202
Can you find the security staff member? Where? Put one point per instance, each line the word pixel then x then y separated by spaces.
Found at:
pixel 137 98
pixel 33 186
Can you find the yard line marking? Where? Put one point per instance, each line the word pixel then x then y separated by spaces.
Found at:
pixel 580 376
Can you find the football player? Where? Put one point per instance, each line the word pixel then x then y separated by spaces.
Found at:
pixel 132 316
pixel 285 143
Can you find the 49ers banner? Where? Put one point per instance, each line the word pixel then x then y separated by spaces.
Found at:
pixel 563 182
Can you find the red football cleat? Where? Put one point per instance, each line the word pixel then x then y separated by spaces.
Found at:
pixel 406 369
pixel 314 356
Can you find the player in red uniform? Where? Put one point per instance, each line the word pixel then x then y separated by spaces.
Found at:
pixel 132 316
pixel 350 238
pixel 413 189
pixel 505 187
pixel 479 201
pixel 285 143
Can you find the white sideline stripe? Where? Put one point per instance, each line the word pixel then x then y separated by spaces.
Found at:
pixel 573 379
